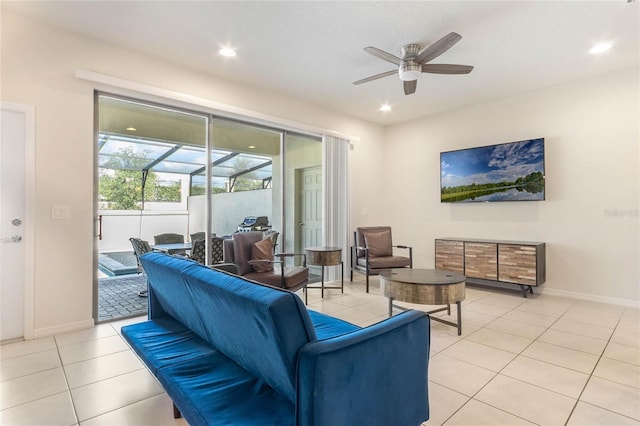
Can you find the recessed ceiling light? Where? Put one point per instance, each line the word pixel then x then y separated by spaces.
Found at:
pixel 227 52
pixel 385 108
pixel 600 48
pixel 252 147
pixel 131 129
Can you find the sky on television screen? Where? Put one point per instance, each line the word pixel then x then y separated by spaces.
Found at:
pixel 491 164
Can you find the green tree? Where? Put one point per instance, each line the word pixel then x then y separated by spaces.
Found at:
pixel 120 181
pixel 246 182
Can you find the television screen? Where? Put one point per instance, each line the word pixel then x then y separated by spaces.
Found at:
pixel 505 172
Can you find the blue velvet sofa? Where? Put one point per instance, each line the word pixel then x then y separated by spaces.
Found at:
pixel 230 351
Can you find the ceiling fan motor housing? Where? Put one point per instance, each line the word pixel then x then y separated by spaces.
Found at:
pixel 409 69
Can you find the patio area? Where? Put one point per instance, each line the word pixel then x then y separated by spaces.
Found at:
pixel 118 297
pixel 118 292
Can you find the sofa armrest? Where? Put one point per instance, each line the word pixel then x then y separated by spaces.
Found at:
pixel 373 376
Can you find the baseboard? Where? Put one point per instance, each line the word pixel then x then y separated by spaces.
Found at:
pixel 63 328
pixel 627 303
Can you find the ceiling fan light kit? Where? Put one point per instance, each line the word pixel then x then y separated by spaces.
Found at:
pixel 413 62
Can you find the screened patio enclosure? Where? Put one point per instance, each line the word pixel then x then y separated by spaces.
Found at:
pixel 119 152
pixel 154 163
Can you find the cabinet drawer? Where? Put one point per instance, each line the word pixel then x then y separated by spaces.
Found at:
pixel 517 264
pixel 481 260
pixel 450 256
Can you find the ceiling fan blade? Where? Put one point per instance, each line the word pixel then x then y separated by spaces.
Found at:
pixel 410 87
pixel 438 48
pixel 375 77
pixel 383 55
pixel 446 69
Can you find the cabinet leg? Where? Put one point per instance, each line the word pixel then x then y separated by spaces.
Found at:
pixel 523 289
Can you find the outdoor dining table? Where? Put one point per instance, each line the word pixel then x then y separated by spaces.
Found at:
pixel 172 248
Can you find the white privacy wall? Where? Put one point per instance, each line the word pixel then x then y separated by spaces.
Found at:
pixel 589 220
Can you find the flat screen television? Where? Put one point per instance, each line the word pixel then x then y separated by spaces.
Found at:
pixel 505 172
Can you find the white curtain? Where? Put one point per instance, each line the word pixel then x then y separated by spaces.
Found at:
pixel 336 197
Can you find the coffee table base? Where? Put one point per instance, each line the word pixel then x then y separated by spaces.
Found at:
pixel 447 308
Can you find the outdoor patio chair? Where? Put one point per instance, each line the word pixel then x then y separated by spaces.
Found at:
pixel 140 247
pixel 170 238
pixel 198 251
pixel 200 236
pixel 372 252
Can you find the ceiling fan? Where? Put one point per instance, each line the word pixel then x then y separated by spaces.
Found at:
pixel 414 62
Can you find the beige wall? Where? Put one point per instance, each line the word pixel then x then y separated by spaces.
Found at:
pixel 592 167
pixel 590 217
pixel 38 66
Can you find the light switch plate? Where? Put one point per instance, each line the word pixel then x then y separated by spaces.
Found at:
pixel 59 212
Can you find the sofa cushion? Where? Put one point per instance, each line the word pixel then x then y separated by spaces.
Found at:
pixel 379 243
pixel 243 318
pixel 215 390
pixel 169 289
pixel 164 341
pixel 327 326
pixel 262 250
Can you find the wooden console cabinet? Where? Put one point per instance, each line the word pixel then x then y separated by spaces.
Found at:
pixel 491 261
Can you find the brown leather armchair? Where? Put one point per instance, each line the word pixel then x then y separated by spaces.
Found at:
pixel 252 253
pixel 372 252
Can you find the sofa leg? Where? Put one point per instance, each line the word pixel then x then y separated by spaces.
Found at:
pixel 176 413
pixel 367 282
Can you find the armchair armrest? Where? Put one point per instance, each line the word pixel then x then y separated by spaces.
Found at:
pixel 379 372
pixel 410 252
pixel 283 255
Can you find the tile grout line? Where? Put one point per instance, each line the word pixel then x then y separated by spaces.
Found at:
pixel 66 380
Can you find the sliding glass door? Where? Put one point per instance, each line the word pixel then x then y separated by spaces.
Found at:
pixel 164 170
pixel 303 187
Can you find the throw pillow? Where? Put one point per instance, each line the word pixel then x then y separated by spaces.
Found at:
pixel 262 250
pixel 379 243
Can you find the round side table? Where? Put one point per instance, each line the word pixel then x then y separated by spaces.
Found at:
pixel 326 256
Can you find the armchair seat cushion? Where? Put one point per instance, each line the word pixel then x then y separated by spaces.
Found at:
pixel 295 277
pixel 385 262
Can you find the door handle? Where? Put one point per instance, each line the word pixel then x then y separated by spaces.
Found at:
pixel 12 239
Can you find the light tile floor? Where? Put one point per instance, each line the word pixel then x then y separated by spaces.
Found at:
pixel 542 360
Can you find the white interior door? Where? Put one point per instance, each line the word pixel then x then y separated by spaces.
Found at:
pixel 311 211
pixel 12 216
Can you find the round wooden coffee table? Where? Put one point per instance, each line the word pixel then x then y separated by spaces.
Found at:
pixel 425 287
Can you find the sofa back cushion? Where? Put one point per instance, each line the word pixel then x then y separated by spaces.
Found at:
pixel 379 243
pixel 360 237
pixel 259 327
pixel 169 294
pixel 242 243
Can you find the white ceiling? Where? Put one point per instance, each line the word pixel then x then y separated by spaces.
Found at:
pixel 313 50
